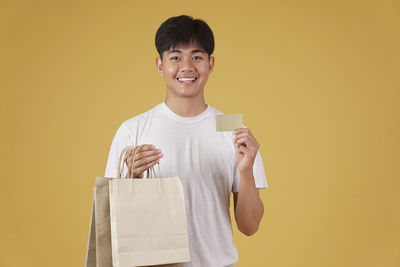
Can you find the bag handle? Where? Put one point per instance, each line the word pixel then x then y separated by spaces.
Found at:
pixel 126 152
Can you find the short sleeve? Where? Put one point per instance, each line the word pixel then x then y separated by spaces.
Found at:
pixel 122 139
pixel 258 172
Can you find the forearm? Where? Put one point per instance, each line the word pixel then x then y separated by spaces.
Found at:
pixel 249 207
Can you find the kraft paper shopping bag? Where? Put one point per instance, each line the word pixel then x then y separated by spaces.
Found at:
pixel 138 222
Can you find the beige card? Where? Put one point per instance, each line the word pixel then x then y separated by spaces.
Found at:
pixel 229 122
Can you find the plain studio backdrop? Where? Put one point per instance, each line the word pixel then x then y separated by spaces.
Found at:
pixel 317 82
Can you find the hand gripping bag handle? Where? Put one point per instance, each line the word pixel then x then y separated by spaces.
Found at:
pixel 126 152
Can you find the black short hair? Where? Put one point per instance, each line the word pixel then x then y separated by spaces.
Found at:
pixel 184 30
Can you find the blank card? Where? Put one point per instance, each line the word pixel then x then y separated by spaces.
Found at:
pixel 229 122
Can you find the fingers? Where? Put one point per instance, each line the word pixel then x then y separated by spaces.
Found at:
pixel 139 171
pixel 241 141
pixel 147 157
pixel 147 153
pixel 241 130
pixel 244 138
pixel 242 150
pixel 147 147
pixel 241 136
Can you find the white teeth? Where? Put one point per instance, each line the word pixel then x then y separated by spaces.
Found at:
pixel 186 79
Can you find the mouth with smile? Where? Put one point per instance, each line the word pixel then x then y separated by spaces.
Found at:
pixel 186 80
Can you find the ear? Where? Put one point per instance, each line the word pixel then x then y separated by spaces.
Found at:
pixel 212 61
pixel 159 66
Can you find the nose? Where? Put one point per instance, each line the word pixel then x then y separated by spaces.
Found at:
pixel 187 65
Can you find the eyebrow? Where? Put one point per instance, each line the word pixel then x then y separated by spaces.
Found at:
pixel 192 52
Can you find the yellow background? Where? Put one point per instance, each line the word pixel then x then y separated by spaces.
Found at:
pixel 318 84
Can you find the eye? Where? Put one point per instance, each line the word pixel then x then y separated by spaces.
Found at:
pixel 197 58
pixel 174 58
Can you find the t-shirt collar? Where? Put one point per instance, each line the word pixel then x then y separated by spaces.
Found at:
pixel 167 111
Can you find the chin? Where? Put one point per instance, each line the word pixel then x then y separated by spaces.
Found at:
pixel 188 93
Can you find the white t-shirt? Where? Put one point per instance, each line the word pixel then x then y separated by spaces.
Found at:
pixel 206 161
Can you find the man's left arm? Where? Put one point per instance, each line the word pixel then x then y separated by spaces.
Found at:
pixel 248 206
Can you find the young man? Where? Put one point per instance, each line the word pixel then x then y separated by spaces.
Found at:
pixel 180 134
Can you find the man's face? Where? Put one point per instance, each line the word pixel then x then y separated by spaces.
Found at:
pixel 185 70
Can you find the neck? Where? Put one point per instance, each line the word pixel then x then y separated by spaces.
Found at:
pixel 186 107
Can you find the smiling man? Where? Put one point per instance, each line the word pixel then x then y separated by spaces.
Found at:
pixel 180 134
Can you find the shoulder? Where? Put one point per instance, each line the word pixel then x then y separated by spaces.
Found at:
pixel 142 118
pixel 215 111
